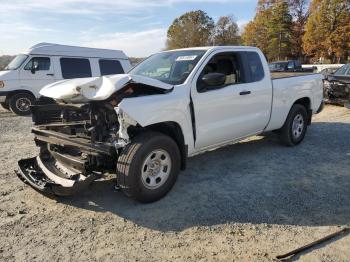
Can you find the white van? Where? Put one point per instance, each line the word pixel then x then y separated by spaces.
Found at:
pixel 45 63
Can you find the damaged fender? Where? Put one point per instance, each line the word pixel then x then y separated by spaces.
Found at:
pixel 145 111
pixel 124 122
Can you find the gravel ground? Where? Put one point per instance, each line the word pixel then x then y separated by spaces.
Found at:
pixel 250 201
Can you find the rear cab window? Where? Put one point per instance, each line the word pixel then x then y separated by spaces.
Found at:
pixel 110 67
pixel 254 67
pixel 75 68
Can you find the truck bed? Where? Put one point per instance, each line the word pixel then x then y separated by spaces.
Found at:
pixel 278 75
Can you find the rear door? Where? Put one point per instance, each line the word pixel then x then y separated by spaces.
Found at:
pixel 239 108
pixel 37 72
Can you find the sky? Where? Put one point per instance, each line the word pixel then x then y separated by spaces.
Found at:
pixel 138 27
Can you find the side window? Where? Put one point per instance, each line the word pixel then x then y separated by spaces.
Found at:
pixel 290 65
pixel 75 68
pixel 38 64
pixel 255 66
pixel 110 67
pixel 226 64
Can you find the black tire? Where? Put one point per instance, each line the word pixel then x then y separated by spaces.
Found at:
pixel 130 165
pixel 20 103
pixel 5 105
pixel 290 136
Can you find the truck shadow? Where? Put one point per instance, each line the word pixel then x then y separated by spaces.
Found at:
pixel 256 181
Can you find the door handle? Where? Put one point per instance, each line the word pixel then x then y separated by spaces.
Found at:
pixel 243 93
pixel 50 74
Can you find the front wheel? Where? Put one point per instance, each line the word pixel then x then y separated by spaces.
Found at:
pixel 20 103
pixel 294 129
pixel 148 167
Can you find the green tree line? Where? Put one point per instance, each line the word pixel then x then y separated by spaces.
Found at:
pixel 311 31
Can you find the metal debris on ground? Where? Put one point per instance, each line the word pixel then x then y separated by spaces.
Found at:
pixel 317 242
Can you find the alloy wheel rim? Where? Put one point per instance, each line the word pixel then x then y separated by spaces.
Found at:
pixel 23 104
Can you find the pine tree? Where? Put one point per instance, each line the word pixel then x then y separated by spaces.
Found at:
pixel 299 11
pixel 327 31
pixel 279 31
pixel 270 29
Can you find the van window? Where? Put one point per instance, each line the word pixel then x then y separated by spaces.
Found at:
pixel 16 62
pixel 110 67
pixel 75 68
pixel 255 66
pixel 39 63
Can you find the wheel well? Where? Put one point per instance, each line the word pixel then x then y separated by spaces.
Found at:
pixel 173 130
pixel 8 97
pixel 306 102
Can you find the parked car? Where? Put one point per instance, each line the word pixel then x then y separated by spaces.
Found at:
pixel 44 63
pixel 143 126
pixel 337 85
pixel 328 71
pixel 288 66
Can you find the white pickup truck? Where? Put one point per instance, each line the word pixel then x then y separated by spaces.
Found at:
pixel 142 126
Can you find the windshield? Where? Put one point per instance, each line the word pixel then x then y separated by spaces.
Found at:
pixel 343 71
pixel 16 62
pixel 171 67
pixel 278 66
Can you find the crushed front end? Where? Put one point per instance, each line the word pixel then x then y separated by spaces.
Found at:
pixel 337 91
pixel 78 143
pixel 82 135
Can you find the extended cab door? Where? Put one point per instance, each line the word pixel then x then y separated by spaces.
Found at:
pixel 238 108
pixel 37 73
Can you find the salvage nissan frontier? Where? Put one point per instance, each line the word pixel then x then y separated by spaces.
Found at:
pixel 142 126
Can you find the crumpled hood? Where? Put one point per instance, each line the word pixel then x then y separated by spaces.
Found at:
pixel 82 90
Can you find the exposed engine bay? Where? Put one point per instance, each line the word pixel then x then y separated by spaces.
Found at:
pixel 80 142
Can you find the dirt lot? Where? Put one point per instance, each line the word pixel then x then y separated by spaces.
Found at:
pixel 250 201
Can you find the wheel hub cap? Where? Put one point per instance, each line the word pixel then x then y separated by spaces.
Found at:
pixel 156 169
pixel 298 126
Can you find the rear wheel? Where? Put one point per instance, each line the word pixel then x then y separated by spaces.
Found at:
pixel 5 105
pixel 148 167
pixel 20 103
pixel 294 129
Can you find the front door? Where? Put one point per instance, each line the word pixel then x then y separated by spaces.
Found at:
pixel 240 107
pixel 37 73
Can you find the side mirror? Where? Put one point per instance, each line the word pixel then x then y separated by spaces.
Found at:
pixel 214 80
pixel 35 67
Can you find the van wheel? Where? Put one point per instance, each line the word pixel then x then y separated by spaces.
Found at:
pixel 20 103
pixel 294 129
pixel 5 105
pixel 148 167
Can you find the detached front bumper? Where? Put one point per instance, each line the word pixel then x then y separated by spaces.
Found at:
pixel 45 178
